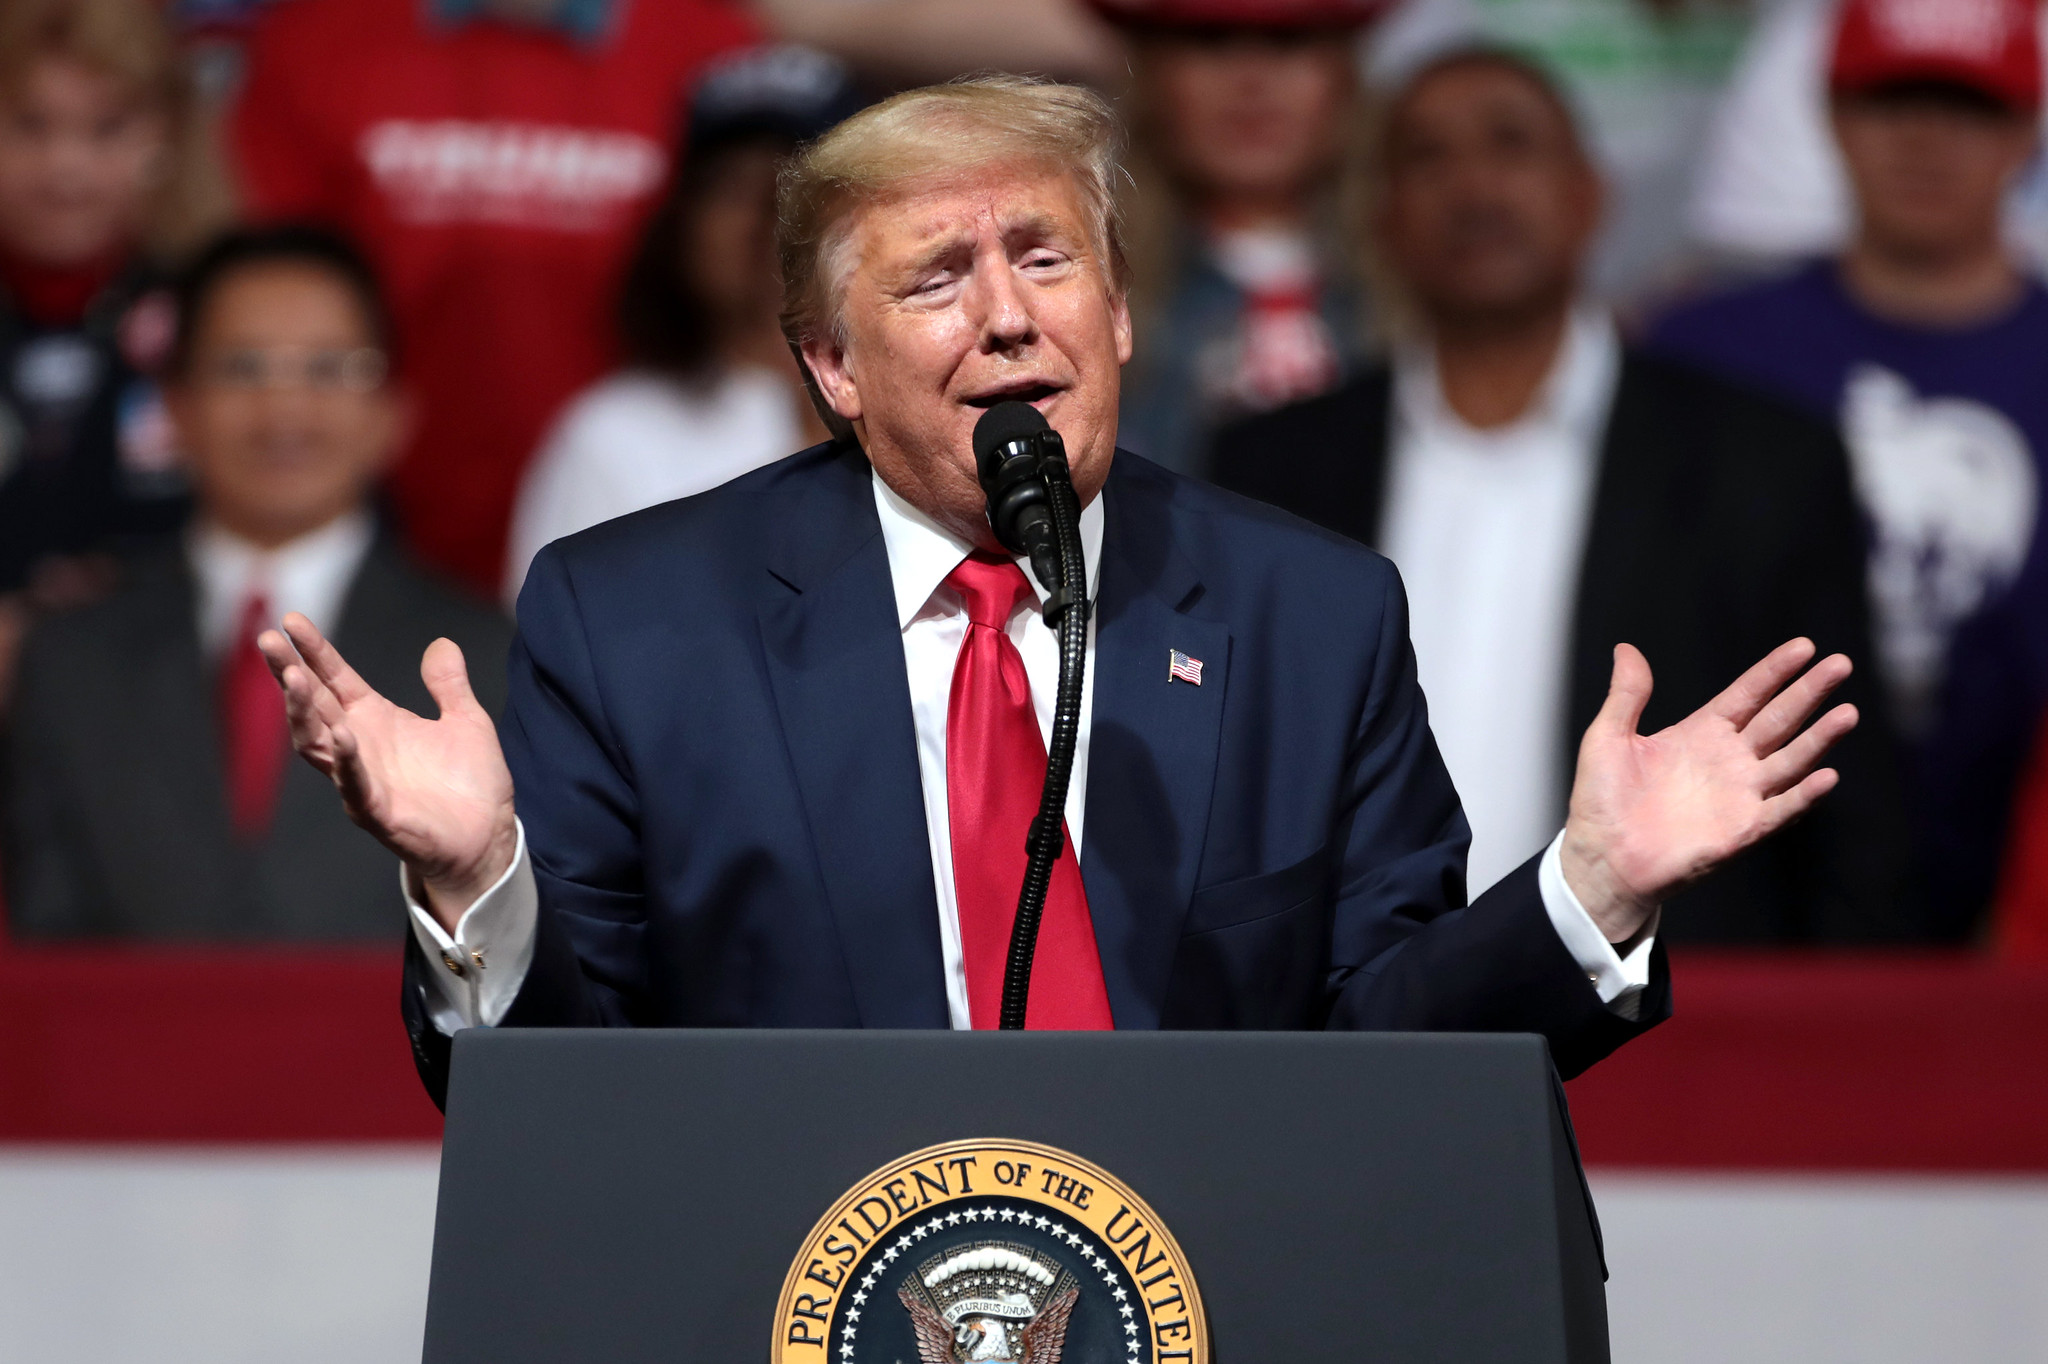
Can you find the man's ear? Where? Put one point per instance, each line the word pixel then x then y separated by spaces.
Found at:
pixel 838 426
pixel 1120 322
pixel 824 360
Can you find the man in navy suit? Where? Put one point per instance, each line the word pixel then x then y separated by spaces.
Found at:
pixel 774 747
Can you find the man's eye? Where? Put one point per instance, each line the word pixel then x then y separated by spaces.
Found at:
pixel 241 369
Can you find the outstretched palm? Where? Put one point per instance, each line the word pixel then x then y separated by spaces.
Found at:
pixel 1652 813
pixel 436 792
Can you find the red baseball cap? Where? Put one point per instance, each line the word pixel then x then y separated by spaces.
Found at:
pixel 1270 14
pixel 1993 46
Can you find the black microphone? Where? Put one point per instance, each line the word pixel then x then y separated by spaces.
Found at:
pixel 1015 451
pixel 1022 464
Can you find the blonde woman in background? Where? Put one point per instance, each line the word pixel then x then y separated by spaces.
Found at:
pixel 106 176
pixel 1241 212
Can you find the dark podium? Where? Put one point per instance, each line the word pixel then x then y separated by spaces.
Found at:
pixel 641 1196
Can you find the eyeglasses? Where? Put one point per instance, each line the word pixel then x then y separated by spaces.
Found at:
pixel 251 369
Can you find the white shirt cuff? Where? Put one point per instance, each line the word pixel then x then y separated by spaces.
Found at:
pixel 475 974
pixel 1618 980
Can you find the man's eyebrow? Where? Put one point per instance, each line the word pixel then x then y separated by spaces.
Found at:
pixel 1029 225
pixel 1036 224
pixel 934 254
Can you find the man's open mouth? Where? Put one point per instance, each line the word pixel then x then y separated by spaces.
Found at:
pixel 1027 393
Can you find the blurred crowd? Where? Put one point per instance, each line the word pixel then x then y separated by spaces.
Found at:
pixel 1696 324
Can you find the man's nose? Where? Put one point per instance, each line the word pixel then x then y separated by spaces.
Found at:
pixel 1006 318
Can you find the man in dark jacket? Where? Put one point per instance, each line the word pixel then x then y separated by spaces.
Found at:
pixel 1547 493
pixel 151 796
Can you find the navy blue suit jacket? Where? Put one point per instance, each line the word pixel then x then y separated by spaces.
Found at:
pixel 709 728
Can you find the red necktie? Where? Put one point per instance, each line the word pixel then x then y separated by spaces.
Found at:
pixel 995 767
pixel 254 737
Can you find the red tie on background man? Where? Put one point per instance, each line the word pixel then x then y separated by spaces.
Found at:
pixel 253 733
pixel 995 768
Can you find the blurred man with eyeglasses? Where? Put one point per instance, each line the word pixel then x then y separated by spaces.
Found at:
pixel 150 796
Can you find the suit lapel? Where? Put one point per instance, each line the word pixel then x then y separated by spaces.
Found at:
pixel 835 661
pixel 1152 744
pixel 178 761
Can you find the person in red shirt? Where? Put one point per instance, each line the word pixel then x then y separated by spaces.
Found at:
pixel 495 158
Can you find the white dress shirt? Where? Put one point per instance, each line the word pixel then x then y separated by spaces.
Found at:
pixel 1488 528
pixel 310 575
pixel 493 941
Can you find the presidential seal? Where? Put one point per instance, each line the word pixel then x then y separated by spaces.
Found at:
pixel 990 1252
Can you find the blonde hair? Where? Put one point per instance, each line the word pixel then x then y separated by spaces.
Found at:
pixel 927 136
pixel 128 42
pixel 1160 206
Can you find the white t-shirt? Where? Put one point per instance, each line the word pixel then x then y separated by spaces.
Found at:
pixel 637 439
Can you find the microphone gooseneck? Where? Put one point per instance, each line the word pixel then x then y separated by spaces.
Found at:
pixel 1033 510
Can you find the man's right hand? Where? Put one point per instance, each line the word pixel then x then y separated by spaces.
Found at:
pixel 436 792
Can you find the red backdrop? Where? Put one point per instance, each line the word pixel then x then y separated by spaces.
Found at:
pixel 1772 1062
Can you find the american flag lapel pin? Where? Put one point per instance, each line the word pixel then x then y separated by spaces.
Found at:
pixel 1179 667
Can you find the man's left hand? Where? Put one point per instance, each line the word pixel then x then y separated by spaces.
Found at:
pixel 1653 813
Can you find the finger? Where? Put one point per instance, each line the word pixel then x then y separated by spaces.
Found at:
pixel 1781 810
pixel 1628 691
pixel 447 677
pixel 277 651
pixel 305 715
pixel 318 703
pixel 1792 707
pixel 1795 760
pixel 351 775
pixel 1749 693
pixel 326 661
pixel 311 714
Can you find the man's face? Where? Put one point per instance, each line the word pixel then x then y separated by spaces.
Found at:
pixel 78 157
pixel 1930 173
pixel 282 409
pixel 984 288
pixel 1249 114
pixel 1490 205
